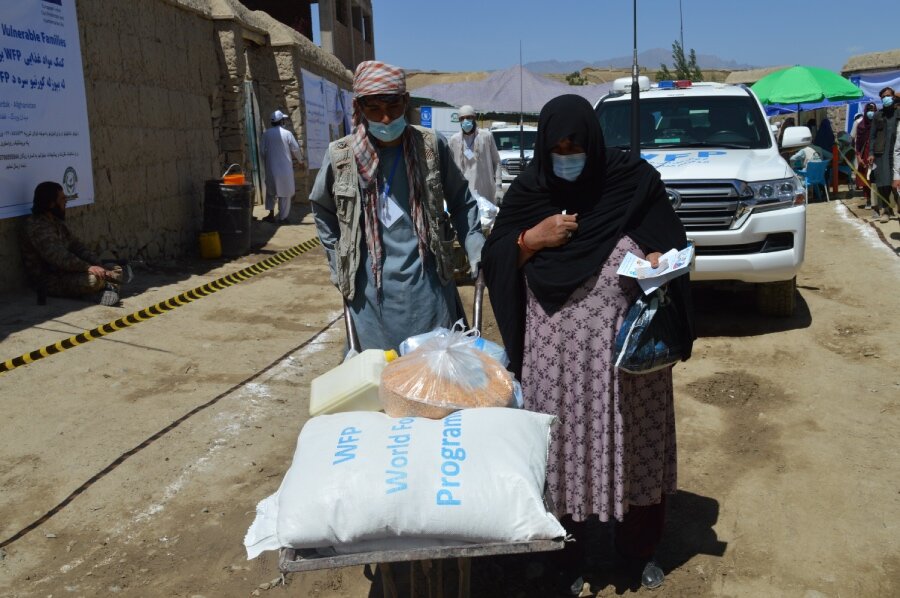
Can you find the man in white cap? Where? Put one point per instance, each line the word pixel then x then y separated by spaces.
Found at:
pixel 475 152
pixel 278 145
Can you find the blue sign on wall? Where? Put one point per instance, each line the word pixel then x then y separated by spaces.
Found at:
pixel 425 116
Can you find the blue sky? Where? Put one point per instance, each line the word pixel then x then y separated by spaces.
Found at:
pixel 472 35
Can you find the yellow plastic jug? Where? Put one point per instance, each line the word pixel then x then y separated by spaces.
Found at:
pixel 351 386
pixel 210 245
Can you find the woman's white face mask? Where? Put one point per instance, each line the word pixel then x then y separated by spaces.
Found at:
pixel 568 167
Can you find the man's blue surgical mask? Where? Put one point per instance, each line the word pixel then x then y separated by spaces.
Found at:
pixel 388 132
pixel 870 115
pixel 568 167
pixel 887 101
pixel 467 126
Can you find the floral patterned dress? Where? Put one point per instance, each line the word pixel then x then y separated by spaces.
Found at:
pixel 615 442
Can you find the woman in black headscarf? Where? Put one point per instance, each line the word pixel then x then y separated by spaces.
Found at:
pixel 550 265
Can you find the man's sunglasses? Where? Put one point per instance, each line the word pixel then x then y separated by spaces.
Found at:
pixel 387 99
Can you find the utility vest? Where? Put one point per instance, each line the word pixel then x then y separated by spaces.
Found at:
pixel 348 199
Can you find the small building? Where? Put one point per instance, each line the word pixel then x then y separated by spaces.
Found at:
pixel 345 26
pixel 751 76
pixel 874 71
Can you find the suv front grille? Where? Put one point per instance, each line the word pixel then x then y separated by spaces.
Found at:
pixel 707 205
pixel 515 166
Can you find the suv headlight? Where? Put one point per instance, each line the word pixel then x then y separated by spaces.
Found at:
pixel 777 194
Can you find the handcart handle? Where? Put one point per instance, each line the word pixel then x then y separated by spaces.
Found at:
pixel 479 300
pixel 350 329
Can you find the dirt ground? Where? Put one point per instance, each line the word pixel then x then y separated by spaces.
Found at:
pixel 150 447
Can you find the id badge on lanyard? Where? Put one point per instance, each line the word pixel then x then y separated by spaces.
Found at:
pixel 389 212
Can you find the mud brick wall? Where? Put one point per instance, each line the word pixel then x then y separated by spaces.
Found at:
pixel 164 84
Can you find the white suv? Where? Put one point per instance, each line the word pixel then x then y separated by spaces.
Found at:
pixel 740 202
pixel 509 140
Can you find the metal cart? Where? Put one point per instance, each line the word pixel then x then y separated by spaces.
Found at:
pixel 429 560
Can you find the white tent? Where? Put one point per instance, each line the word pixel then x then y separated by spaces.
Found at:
pixel 508 91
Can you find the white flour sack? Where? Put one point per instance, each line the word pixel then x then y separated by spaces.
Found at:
pixel 367 481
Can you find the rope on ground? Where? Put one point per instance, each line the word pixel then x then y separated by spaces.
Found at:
pixel 121 458
pixel 162 307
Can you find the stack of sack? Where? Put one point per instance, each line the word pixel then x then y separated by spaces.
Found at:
pixel 448 463
pixel 364 481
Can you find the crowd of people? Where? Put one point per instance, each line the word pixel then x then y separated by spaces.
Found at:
pixel 873 144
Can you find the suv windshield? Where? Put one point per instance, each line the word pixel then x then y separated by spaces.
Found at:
pixel 509 140
pixel 684 121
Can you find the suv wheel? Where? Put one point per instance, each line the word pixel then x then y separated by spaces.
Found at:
pixel 777 298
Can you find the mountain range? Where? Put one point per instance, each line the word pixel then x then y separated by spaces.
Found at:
pixel 650 59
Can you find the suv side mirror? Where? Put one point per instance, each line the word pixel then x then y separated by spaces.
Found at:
pixel 796 137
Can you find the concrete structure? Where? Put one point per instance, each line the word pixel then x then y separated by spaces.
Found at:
pixel 345 26
pixel 347 30
pixel 168 85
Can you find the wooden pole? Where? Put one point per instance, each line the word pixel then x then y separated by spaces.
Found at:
pixel 835 163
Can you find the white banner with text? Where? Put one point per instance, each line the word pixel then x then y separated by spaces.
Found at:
pixel 44 133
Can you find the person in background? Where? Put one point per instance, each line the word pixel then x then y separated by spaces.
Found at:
pixel 882 138
pixel 788 122
pixel 785 124
pixel 811 125
pixel 56 262
pixel 550 266
pixel 476 155
pixel 825 136
pixel 378 203
pixel 278 147
pixel 860 133
pixel 808 154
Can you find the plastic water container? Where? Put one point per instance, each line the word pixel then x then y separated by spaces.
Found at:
pixel 351 386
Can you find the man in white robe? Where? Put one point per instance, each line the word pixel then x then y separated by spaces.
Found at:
pixel 476 155
pixel 278 147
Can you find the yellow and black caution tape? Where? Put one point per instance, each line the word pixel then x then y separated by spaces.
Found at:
pixel 865 179
pixel 162 307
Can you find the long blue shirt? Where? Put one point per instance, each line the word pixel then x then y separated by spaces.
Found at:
pixel 413 299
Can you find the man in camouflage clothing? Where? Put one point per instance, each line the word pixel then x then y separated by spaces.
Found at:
pixel 57 263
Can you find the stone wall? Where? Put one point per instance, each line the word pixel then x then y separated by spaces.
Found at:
pixel 164 85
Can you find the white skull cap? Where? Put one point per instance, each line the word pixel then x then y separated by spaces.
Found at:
pixel 466 111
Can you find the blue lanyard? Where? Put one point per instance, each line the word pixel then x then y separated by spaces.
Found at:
pixel 390 179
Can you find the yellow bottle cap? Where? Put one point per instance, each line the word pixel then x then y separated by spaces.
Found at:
pixel 390 355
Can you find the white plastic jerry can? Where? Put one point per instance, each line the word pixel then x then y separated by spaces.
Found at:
pixel 351 386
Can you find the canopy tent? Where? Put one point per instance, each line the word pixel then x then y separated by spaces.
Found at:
pixel 776 109
pixel 499 93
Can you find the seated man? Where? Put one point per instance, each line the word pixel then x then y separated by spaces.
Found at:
pixel 57 263
pixel 808 154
